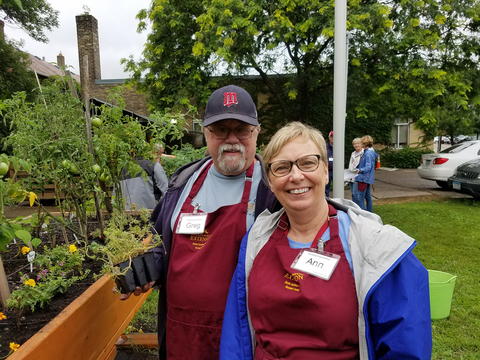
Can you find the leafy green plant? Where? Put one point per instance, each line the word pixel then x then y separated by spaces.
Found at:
pixel 48 134
pixel 56 273
pixel 126 237
pixel 182 157
pixel 119 140
pixel 406 158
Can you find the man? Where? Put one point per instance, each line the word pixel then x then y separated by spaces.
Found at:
pixel 160 151
pixel 206 211
pixel 330 163
pixel 144 193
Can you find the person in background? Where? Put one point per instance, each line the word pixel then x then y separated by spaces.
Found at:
pixel 330 163
pixel 160 151
pixel 209 205
pixel 144 193
pixel 321 278
pixel 354 161
pixel 366 174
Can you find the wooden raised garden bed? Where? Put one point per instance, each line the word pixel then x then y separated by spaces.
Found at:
pixel 87 329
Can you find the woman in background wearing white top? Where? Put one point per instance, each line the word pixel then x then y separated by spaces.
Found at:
pixel 354 161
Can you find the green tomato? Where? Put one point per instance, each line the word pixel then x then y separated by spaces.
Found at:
pixel 3 168
pixel 66 164
pixel 103 177
pixel 73 169
pixel 96 168
pixel 96 121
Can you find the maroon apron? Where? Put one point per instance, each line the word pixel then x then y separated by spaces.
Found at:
pixel 297 315
pixel 199 274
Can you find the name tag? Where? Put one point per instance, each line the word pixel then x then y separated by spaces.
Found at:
pixel 319 264
pixel 191 223
pixel 330 159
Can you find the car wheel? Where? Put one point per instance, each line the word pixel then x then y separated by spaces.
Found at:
pixel 442 184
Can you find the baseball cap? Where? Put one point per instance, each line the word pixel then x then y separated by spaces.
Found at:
pixel 230 102
pixel 330 134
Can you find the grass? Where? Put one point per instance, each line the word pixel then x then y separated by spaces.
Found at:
pixel 145 320
pixel 448 236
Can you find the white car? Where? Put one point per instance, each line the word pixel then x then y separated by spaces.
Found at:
pixel 439 167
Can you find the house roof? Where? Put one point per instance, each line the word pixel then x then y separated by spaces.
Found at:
pixel 46 69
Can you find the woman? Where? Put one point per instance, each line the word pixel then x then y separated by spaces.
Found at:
pixel 366 175
pixel 354 161
pixel 288 301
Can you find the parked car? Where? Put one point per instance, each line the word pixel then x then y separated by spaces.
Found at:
pixel 459 139
pixel 446 140
pixel 466 178
pixel 440 166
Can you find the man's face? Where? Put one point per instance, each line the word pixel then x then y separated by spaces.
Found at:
pixel 231 156
pixel 330 138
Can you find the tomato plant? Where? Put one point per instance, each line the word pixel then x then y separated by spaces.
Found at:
pixel 3 168
pixel 96 121
pixel 96 168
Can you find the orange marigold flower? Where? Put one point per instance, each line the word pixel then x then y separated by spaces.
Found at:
pixel 14 347
pixel 2 316
pixel 72 248
pixel 25 250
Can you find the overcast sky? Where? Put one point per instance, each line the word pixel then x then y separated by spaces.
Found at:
pixel 117 32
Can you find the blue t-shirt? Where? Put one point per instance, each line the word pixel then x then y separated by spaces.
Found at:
pixel 343 230
pixel 220 190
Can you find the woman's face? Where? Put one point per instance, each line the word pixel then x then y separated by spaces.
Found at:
pixel 299 191
pixel 357 146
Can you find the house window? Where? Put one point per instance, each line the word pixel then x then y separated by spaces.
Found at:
pixel 400 133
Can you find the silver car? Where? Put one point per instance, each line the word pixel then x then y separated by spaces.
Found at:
pixel 439 167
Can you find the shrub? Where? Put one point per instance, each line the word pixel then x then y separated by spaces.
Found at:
pixel 406 158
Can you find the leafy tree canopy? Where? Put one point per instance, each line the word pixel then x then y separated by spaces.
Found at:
pixel 406 57
pixel 33 16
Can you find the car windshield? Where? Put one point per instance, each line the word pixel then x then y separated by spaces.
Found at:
pixel 457 148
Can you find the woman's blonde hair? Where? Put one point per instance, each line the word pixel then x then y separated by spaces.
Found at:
pixel 356 140
pixel 289 132
pixel 367 141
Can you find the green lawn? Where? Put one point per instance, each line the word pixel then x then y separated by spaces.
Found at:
pixel 448 236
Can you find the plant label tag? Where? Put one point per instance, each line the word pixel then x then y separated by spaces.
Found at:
pixel 31 256
pixel 315 263
pixel 191 223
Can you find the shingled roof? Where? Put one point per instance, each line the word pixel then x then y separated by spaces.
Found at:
pixel 46 69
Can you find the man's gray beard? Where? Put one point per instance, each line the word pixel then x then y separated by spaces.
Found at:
pixel 225 161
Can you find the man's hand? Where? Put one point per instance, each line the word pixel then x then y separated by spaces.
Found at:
pixel 138 290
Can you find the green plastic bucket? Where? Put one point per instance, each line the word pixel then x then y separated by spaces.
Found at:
pixel 441 286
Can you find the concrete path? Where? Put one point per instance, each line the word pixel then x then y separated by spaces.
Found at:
pixel 405 183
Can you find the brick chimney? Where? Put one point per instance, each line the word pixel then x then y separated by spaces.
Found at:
pixel 88 44
pixel 60 60
pixel 2 33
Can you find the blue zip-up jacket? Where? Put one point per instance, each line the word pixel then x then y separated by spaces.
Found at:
pixel 366 166
pixel 391 284
pixel 161 217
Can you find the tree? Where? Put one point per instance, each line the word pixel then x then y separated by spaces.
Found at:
pixel 15 75
pixel 33 16
pixel 403 56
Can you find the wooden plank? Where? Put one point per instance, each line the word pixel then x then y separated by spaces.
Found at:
pixel 112 355
pixel 4 290
pixel 136 340
pixel 87 329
